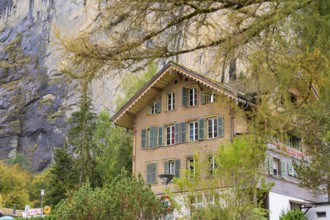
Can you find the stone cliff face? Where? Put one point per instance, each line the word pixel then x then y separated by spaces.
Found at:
pixel 35 97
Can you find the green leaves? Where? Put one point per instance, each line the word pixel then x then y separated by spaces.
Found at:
pixel 294 214
pixel 236 189
pixel 126 197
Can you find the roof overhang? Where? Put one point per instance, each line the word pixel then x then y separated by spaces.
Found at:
pixel 125 116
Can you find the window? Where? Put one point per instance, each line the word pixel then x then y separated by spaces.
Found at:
pixel 170 101
pixel 192 96
pixel 211 97
pixel 151 172
pixel 276 167
pixel 193 131
pixel 295 142
pixel 294 205
pixel 209 198
pixel 215 127
pixel 197 201
pixel 191 167
pixel 172 167
pixel 212 127
pixel 291 171
pixel 170 135
pixel 208 97
pixel 155 107
pixel 321 214
pixel 212 165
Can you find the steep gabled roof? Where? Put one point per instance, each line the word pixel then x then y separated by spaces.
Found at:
pixel 124 117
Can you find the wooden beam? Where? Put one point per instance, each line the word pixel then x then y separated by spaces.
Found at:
pixel 200 86
pixel 180 76
pixel 157 88
pixel 130 114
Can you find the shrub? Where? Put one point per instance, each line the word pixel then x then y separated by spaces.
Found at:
pixel 293 214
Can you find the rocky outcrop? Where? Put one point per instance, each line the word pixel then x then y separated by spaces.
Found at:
pixel 35 98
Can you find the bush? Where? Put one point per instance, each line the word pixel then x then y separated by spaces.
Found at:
pixel 293 214
pixel 14 184
pixel 125 198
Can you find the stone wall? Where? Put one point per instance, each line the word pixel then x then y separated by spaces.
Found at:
pixel 35 97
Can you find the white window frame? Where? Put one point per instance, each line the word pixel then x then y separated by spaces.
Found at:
pixel 170 135
pixel 171 167
pixel 212 164
pixel 153 108
pixel 212 127
pixel 170 101
pixel 276 169
pixel 193 131
pixel 211 97
pixel 192 96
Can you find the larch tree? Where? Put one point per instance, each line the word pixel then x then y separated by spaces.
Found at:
pixel 285 42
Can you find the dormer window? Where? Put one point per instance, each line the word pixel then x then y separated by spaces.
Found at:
pixel 295 142
pixel 211 97
pixel 155 107
pixel 170 101
pixel 208 97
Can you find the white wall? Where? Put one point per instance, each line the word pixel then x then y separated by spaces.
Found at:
pixel 311 214
pixel 279 203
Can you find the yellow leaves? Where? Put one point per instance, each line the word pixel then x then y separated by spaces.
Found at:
pixel 14 184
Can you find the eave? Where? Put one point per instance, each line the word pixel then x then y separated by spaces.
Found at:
pixel 125 116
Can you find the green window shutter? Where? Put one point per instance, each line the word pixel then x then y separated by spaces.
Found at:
pixel 177 168
pixel 148 172
pixel 151 173
pixel 166 167
pixel 201 123
pixel 160 136
pixel 270 166
pixel 151 144
pixel 176 133
pixel 220 126
pixel 143 139
pixel 290 169
pixel 158 106
pixel 183 132
pixel 203 98
pixel 283 169
pixel 154 172
pixel 154 137
pixel 179 133
pixel 184 96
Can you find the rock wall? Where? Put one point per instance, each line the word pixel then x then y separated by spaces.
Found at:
pixel 35 97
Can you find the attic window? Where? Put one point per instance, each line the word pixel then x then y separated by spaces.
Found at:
pixel 155 107
pixel 321 214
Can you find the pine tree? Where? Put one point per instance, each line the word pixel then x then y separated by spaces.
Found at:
pixel 80 139
pixel 63 178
